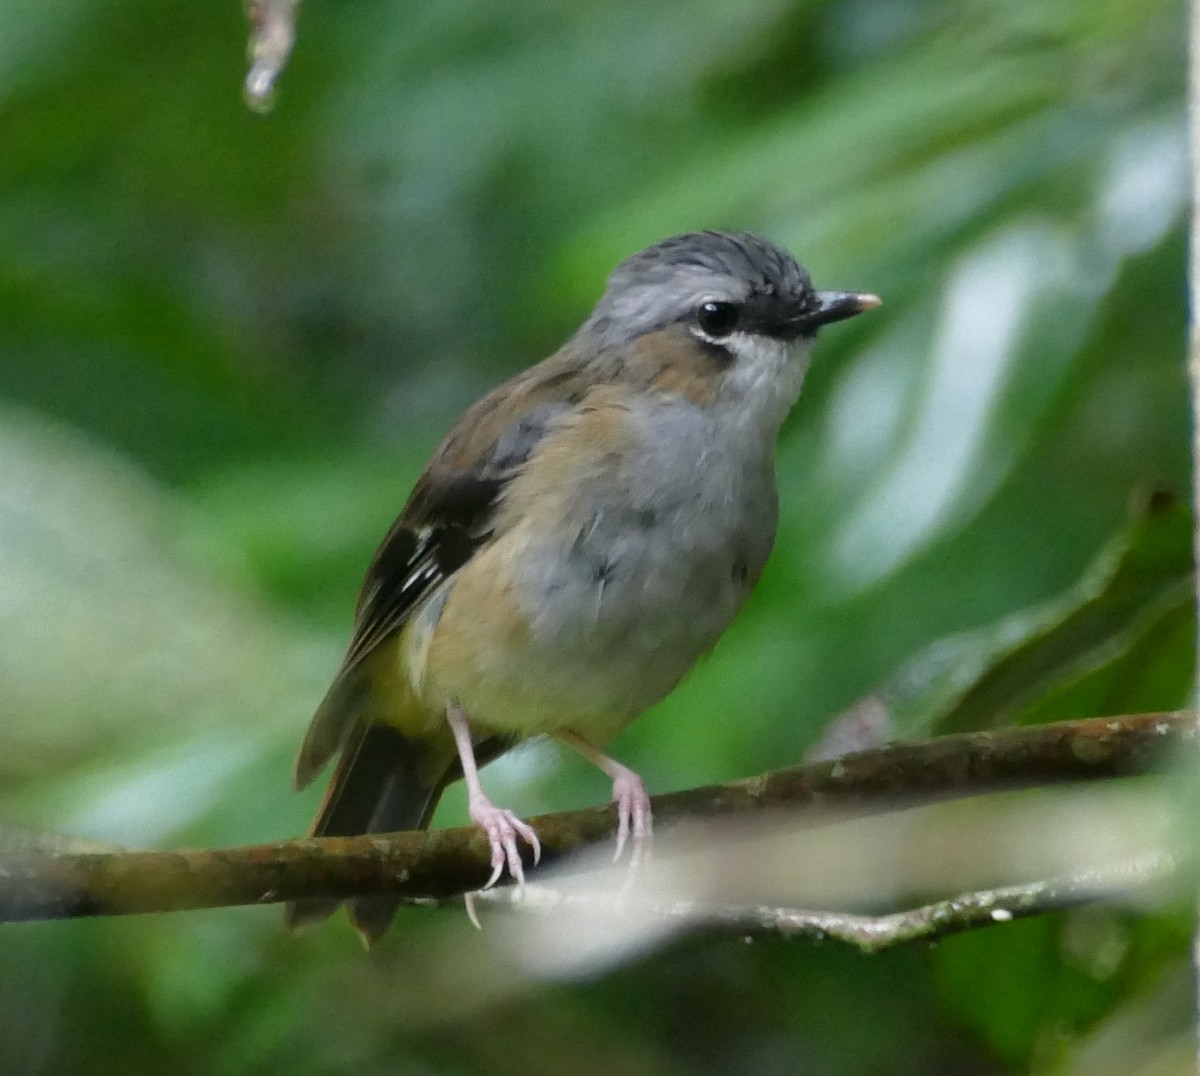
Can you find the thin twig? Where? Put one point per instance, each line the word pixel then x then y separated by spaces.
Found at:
pixel 272 34
pixel 867 933
pixel 1193 367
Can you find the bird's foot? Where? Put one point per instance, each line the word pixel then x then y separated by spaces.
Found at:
pixel 503 828
pixel 634 814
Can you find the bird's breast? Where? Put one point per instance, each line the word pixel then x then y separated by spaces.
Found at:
pixel 664 541
pixel 614 570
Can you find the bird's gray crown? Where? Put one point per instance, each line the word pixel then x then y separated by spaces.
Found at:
pixel 667 282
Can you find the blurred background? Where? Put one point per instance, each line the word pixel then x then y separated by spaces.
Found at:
pixel 229 341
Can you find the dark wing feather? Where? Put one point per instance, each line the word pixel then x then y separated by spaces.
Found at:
pixel 407 566
pixel 447 518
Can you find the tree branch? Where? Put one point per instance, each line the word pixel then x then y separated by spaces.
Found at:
pixel 43 883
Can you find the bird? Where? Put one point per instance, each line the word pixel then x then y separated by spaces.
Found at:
pixel 580 538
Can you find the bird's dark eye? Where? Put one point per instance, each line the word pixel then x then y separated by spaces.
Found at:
pixel 718 319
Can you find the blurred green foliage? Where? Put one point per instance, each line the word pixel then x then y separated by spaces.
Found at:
pixel 227 343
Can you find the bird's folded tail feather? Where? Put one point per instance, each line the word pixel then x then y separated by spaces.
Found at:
pixel 384 782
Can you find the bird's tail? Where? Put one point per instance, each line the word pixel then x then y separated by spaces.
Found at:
pixel 384 782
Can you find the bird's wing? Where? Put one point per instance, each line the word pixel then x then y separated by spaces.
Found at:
pixel 449 515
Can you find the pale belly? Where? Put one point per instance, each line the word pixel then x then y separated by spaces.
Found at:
pixel 584 624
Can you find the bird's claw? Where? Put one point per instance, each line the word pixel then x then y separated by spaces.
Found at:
pixel 503 828
pixel 634 814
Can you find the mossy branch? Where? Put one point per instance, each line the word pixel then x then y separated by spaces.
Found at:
pixel 39 880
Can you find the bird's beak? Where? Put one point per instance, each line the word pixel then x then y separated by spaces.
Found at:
pixel 839 305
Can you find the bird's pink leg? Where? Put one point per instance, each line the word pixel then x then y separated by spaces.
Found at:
pixel 502 827
pixel 634 814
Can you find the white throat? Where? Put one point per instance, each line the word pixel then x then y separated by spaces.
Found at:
pixel 764 381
